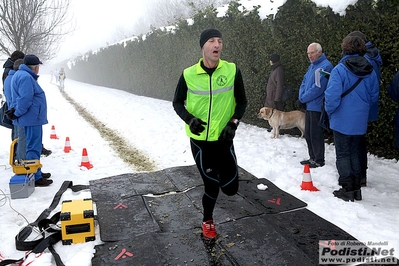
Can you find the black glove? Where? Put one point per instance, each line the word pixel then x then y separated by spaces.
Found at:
pixel 196 126
pixel 228 132
pixel 10 114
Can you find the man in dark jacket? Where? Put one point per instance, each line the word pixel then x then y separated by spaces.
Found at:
pixel 275 84
pixel 9 64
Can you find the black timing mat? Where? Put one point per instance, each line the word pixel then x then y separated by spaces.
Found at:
pixel 186 248
pixel 182 248
pixel 304 229
pixel 154 219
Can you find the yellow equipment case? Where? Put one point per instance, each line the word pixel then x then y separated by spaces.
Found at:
pixel 22 184
pixel 22 167
pixel 77 221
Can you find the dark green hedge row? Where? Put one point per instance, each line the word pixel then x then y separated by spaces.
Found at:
pixel 152 64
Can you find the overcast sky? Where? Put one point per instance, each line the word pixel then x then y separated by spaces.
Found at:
pixel 100 23
pixel 97 23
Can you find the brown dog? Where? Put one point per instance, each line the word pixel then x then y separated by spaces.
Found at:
pixel 283 120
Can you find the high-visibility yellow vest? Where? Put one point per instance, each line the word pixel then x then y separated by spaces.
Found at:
pixel 210 98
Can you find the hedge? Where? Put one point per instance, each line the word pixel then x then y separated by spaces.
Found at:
pixel 150 65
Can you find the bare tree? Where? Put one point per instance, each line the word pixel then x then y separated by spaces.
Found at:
pixel 34 26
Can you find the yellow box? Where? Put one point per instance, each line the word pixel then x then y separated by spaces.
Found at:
pixel 77 221
pixel 22 167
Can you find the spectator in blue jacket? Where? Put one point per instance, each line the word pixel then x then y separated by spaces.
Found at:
pixel 17 131
pixel 311 93
pixel 7 80
pixel 373 56
pixel 29 110
pixel 393 91
pixel 8 66
pixel 349 115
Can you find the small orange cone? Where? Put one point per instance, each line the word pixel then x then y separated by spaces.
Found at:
pixel 307 183
pixel 67 147
pixel 85 160
pixel 53 135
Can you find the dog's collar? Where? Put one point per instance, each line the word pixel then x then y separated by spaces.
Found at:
pixel 272 113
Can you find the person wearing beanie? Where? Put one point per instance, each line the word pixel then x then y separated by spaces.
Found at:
pixel 29 110
pixel 275 84
pixel 373 56
pixel 311 93
pixel 275 58
pixel 210 98
pixel 9 67
pixel 9 64
pixel 207 34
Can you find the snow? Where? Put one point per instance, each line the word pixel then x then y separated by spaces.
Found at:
pixel 152 126
pixel 267 7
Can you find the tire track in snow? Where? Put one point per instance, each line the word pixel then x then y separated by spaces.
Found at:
pixel 126 152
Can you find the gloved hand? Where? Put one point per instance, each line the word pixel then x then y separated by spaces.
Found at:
pixel 10 114
pixel 196 126
pixel 228 132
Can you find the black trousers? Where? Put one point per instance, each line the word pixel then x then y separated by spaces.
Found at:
pixel 217 164
pixel 314 136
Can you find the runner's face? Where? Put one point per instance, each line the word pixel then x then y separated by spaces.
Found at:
pixel 211 51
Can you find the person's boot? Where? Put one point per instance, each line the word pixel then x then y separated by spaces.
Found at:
pixel 357 192
pixel 45 152
pixel 345 193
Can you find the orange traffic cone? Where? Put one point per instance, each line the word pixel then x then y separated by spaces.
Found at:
pixel 85 160
pixel 307 183
pixel 53 135
pixel 67 147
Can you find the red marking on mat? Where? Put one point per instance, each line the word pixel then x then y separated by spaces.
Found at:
pixel 328 243
pixel 123 254
pixel 277 201
pixel 120 206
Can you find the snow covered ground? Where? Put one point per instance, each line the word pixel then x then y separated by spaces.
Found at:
pixel 152 126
